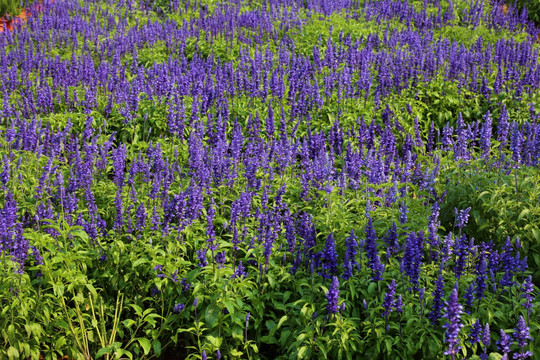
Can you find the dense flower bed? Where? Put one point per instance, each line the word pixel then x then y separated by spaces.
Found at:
pixel 270 179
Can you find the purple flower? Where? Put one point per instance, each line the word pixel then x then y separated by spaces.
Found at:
pixel 462 217
pixel 178 307
pixel 453 325
pixel 516 142
pixel 389 302
pixel 522 335
pixel 374 261
pixel 469 297
pixel 330 258
pixel 203 355
pixel 485 135
pixel 503 127
pixel 350 255
pixel 504 343
pixel 332 296
pixel 201 255
pixel 412 258
pixel 438 293
pixel 399 304
pixel 486 340
pixel 239 272
pixel 38 259
pixel 527 293
pixel 476 331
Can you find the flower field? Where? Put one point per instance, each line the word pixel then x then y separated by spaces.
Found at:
pixel 270 179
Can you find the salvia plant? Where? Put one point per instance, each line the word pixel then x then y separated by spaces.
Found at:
pixel 270 179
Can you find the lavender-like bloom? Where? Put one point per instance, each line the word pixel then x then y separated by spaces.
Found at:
pixel 403 212
pixel 38 259
pixel 239 272
pixel 469 298
pixel 486 340
pixel 330 257
pixel 504 343
pixel 389 302
pixel 504 126
pixel 516 142
pixel 481 270
pixel 159 269
pixel 332 297
pixel 527 293
pixel 391 239
pixel 350 255
pixel 462 217
pixel 399 304
pixel 203 355
pixel 140 217
pixel 433 225
pixel 201 255
pixel 438 293
pixel 218 354
pixel 522 335
pixel 374 261
pixel 485 135
pixel 476 332
pixel 179 307
pixel 246 327
pixel 453 325
pixel 412 258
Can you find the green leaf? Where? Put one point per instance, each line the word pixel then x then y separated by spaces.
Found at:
pixel 282 320
pixel 235 352
pixel 302 352
pixel 157 347
pixel 216 342
pixel 388 343
pixel 523 213
pixel 229 304
pixel 13 353
pixel 103 351
pixel 211 315
pixel 145 344
pixel 237 332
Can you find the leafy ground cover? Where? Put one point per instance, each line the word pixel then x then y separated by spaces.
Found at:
pixel 270 179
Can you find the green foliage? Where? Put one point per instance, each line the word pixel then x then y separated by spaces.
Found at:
pixel 9 7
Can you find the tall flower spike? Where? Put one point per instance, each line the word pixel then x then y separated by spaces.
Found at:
pixel 389 302
pixel 527 293
pixel 438 293
pixel 462 217
pixel 522 335
pixel 476 331
pixel 453 325
pixel 332 296
pixel 486 340
pixel 504 343
pixel 330 257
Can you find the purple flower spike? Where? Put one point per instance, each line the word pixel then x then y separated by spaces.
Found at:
pixel 178 307
pixel 389 302
pixel 332 296
pixel 504 343
pixel 476 331
pixel 521 336
pixel 453 311
pixel 462 217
